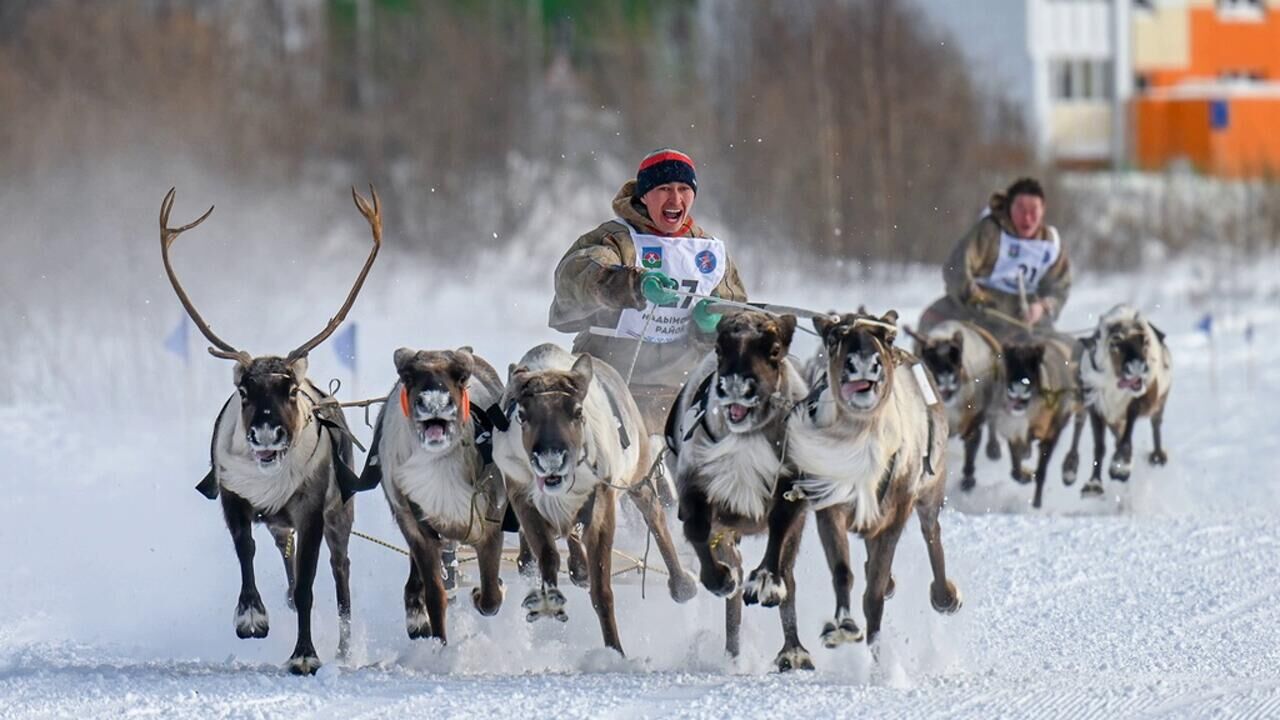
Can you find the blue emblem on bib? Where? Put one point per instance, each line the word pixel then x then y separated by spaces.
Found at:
pixel 706 261
pixel 1015 251
pixel 651 257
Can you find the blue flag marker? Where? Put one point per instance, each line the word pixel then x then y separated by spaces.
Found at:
pixel 344 345
pixel 176 343
pixel 1206 324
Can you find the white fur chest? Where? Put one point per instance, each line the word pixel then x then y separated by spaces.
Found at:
pixel 840 466
pixel 439 485
pixel 739 472
pixel 267 492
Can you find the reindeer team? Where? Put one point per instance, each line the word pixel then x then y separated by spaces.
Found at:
pixel 755 442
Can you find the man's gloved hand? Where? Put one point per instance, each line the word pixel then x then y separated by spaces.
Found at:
pixel 706 320
pixel 620 287
pixel 659 288
pixel 978 296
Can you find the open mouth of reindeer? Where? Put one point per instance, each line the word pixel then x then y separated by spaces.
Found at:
pixel 1018 396
pixel 860 387
pixel 1133 383
pixel 551 470
pixel 434 432
pixel 737 400
pixel 268 458
pixel 948 387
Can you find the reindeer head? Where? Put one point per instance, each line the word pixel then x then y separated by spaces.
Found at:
pixel 549 410
pixel 750 349
pixel 1022 366
pixel 1123 334
pixel 944 357
pixel 859 357
pixel 433 395
pixel 273 409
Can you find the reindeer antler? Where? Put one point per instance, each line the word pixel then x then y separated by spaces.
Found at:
pixel 221 348
pixel 915 335
pixel 374 215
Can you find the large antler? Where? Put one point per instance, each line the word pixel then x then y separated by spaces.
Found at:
pixel 221 348
pixel 374 215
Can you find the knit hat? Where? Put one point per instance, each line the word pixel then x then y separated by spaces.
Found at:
pixel 664 166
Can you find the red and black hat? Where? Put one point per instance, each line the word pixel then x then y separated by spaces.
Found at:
pixel 664 166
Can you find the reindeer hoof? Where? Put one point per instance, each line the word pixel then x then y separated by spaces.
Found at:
pixel 796 658
pixel 1119 470
pixel 1092 488
pixel 843 631
pixel 1158 457
pixel 1070 469
pixel 720 579
pixel 947 602
pixel 487 607
pixel 968 482
pixel 683 586
pixel 544 603
pixel 993 450
pixel 417 623
pixel 251 618
pixel 306 664
pixel 1022 476
pixel 765 588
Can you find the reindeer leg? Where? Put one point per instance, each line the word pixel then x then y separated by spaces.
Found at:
pixel 546 601
pixel 1157 456
pixel 310 529
pixel 599 544
pixel 733 625
pixel 427 548
pixel 766 583
pixel 943 594
pixel 1046 446
pixel 526 564
pixel 488 597
pixel 833 531
pixel 251 614
pixel 338 519
pixel 993 443
pixel 1122 458
pixel 681 584
pixel 793 655
pixel 697 516
pixel 415 604
pixel 579 574
pixel 968 480
pixel 727 552
pixel 1018 451
pixel 283 537
pixel 880 551
pixel 1098 426
pixel 1071 463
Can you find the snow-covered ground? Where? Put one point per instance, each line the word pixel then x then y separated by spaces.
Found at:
pixel 119 580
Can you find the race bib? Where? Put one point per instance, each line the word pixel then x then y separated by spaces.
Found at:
pixel 1021 258
pixel 698 264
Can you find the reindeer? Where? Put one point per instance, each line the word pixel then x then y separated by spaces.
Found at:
pixel 1039 397
pixel 279 457
pixel 433 454
pixel 965 362
pixel 726 431
pixel 1125 372
pixel 869 447
pixel 570 435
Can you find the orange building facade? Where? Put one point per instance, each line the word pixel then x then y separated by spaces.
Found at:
pixel 1207 86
